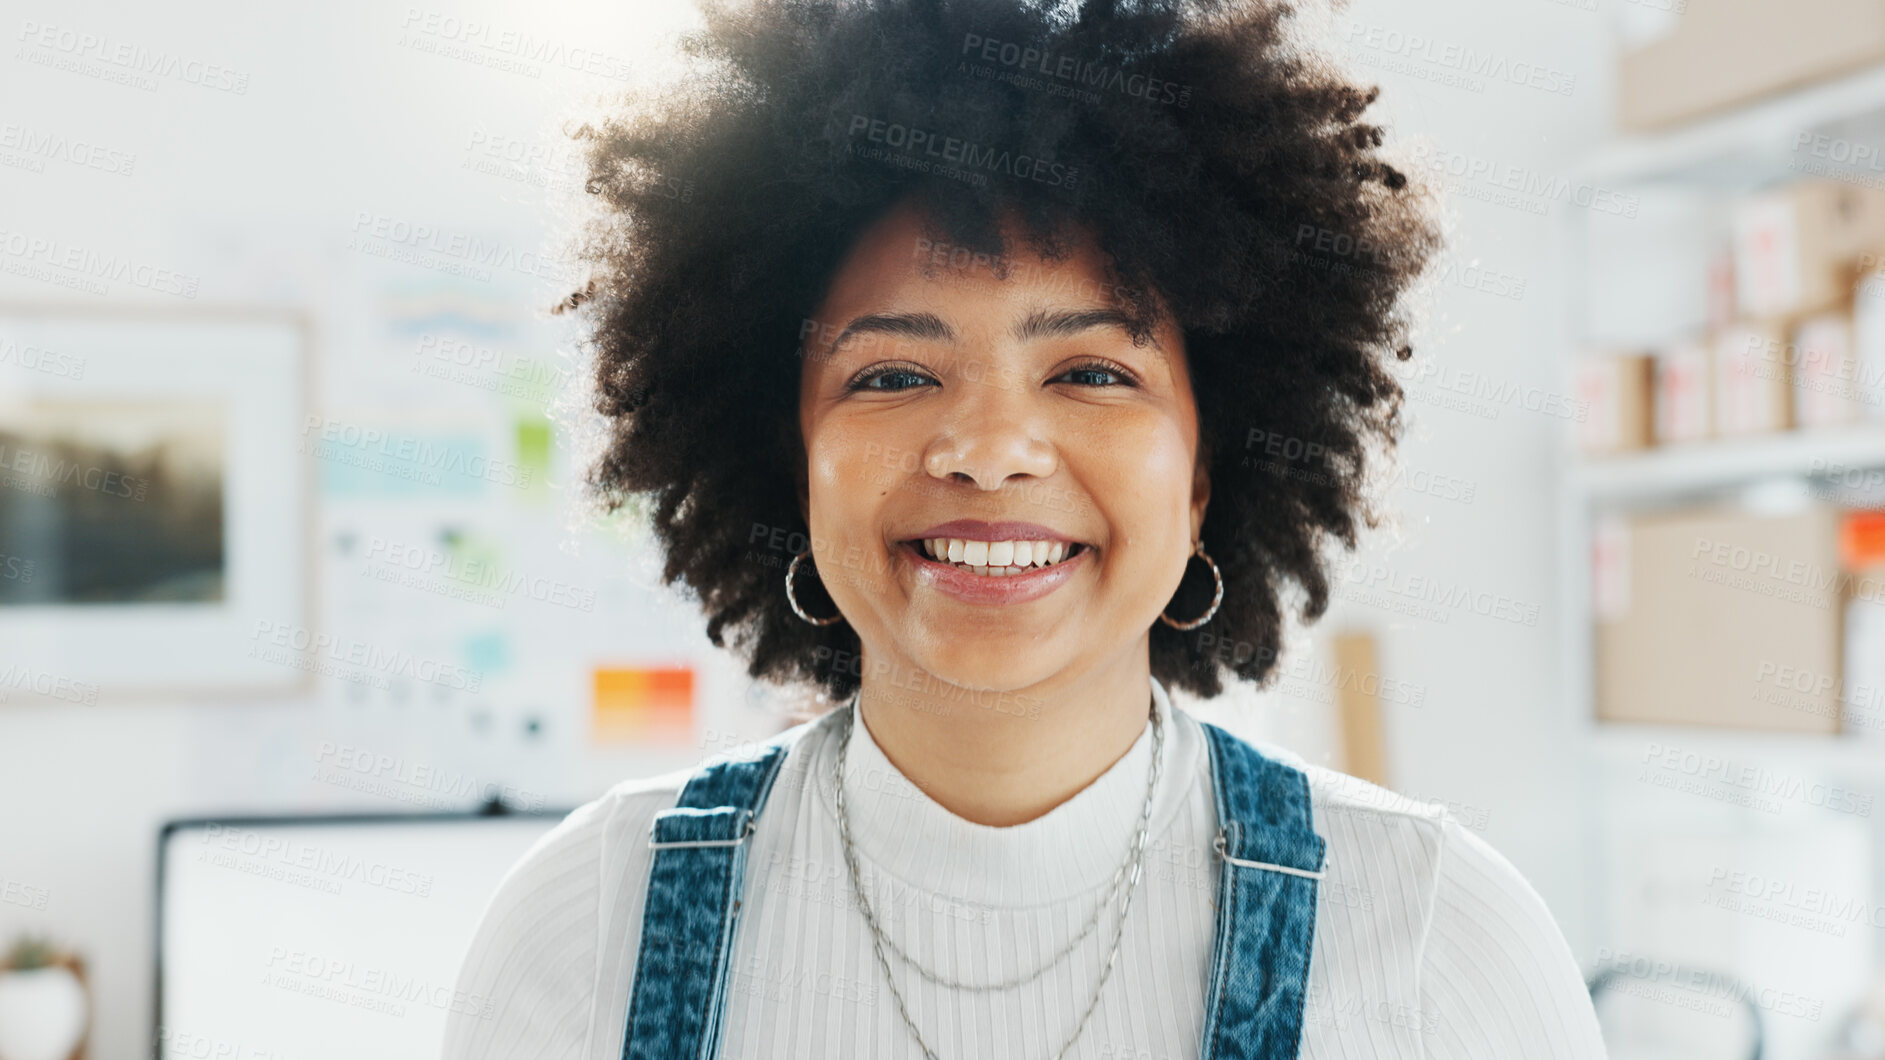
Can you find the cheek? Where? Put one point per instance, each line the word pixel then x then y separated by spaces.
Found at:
pixel 1144 462
pixel 868 455
pixel 1170 449
pixel 830 500
pixel 1140 482
pixel 847 476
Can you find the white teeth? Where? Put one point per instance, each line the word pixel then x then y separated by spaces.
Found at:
pixel 997 559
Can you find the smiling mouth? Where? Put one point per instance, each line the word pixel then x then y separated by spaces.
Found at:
pixel 996 559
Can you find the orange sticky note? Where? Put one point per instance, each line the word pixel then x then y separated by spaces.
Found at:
pixel 643 705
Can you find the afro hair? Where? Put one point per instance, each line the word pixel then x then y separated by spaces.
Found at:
pixel 1224 170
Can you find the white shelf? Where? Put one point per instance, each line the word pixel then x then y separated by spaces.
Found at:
pixel 1685 178
pixel 1746 146
pixel 1676 470
pixel 1725 153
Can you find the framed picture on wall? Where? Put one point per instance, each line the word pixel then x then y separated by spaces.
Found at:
pixel 155 504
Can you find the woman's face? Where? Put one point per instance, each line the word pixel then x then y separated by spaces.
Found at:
pixel 948 412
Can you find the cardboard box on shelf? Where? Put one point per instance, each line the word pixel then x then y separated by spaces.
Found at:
pixel 1618 390
pixel 1727 52
pixel 1751 379
pixel 1684 393
pixel 1825 371
pixel 1797 247
pixel 1731 619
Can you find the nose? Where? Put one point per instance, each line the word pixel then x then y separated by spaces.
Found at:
pixel 992 434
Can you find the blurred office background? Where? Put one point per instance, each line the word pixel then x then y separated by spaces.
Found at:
pixel 288 537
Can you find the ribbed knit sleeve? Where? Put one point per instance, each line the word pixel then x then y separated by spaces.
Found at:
pixel 1497 979
pixel 532 964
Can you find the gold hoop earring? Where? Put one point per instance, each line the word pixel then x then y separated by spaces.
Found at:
pixel 793 600
pixel 1217 597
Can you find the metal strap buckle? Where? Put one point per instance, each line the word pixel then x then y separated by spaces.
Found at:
pixel 751 824
pixel 1218 845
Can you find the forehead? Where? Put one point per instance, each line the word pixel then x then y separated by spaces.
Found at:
pixel 898 262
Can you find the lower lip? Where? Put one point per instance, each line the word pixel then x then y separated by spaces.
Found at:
pixel 973 588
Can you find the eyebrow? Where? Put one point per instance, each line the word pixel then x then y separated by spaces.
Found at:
pixel 1040 324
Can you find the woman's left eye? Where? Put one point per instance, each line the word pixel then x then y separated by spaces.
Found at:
pixel 902 378
pixel 1089 371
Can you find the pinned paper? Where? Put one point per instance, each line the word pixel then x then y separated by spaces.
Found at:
pixel 488 652
pixel 643 705
pixel 431 308
pixel 533 450
pixel 387 458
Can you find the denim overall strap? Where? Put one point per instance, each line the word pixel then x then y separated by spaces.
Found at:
pixel 692 907
pixel 1266 908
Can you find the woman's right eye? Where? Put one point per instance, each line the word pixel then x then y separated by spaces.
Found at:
pixel 895 379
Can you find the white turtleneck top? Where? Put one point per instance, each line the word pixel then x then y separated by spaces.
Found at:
pixel 1427 942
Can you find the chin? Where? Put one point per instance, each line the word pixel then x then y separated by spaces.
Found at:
pixel 986 672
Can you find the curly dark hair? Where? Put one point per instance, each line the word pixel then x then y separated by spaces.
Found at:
pixel 1223 169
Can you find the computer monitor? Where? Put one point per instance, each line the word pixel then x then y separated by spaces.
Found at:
pixel 323 938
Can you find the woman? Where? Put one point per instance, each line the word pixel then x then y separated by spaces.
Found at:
pixel 942 334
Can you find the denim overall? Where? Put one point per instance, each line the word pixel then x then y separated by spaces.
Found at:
pixel 1266 910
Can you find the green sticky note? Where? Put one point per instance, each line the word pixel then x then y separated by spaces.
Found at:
pixel 533 448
